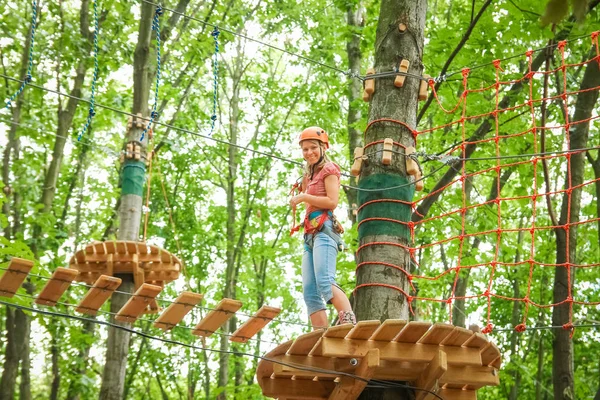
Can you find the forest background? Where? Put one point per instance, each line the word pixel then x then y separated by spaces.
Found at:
pixel 224 210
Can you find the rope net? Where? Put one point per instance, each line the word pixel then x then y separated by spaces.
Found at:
pixel 507 205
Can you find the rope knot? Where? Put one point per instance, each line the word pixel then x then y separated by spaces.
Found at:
pixel 488 329
pixel 594 35
pixel 465 72
pixel 529 75
pixel 497 65
pixel 213 117
pixel 215 33
pixel 91 112
pixel 521 328
pixel 568 326
pixel 154 114
pixel 159 10
pixel 561 45
pixel 28 78
pixel 529 53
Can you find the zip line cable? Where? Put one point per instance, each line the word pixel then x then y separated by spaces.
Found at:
pixel 441 158
pixel 377 383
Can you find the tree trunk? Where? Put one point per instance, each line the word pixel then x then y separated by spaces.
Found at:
pixel 566 239
pixel 355 21
pixel 376 302
pixel 81 363
pixel 55 356
pixel 113 378
pixel 15 335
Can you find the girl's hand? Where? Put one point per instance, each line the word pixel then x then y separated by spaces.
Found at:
pixel 297 200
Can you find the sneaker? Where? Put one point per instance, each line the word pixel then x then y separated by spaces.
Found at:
pixel 346 317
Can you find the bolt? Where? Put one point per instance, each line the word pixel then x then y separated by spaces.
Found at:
pixel 353 362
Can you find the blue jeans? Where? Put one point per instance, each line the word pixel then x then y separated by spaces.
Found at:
pixel 318 267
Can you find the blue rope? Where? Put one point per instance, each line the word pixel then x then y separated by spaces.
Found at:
pixel 156 28
pixel 213 118
pixel 28 77
pixel 91 111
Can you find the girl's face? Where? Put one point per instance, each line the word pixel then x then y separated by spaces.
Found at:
pixel 311 151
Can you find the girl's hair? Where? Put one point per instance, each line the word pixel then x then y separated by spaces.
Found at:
pixel 310 169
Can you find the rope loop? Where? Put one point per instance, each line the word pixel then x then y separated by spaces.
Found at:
pixel 488 329
pixel 497 65
pixel 521 328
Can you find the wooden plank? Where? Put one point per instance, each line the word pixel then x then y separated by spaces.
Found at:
pixel 103 288
pixel 429 379
pixel 394 351
pixel 474 377
pixel 299 389
pixel 258 321
pixel 454 394
pixel 132 247
pixel 138 272
pixel 458 337
pixel 120 247
pixel 436 334
pixel 317 349
pixel 413 332
pixel 477 341
pixel 497 363
pixel 363 330
pixel 13 277
pixel 217 317
pixel 111 247
pixel 173 315
pixel 338 331
pixel 388 330
pixel 304 343
pixel 123 258
pixel 99 248
pixel 489 354
pixel 137 303
pixel 350 388
pixel 57 285
pixel 265 367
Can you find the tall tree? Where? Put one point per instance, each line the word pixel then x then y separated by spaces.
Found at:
pixel 400 104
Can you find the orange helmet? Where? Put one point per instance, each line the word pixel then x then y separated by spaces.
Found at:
pixel 314 133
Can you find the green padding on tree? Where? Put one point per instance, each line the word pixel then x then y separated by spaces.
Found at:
pixel 390 210
pixel 132 178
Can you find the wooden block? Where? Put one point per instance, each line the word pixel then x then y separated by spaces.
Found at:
pixel 13 277
pixel 103 288
pixel 497 363
pixel 370 82
pixel 401 27
pixel 129 122
pixel 350 388
pixel 454 394
pixel 411 165
pixel 59 282
pixel 419 183
pixel 386 158
pixel 129 150
pixel 413 332
pixel 138 303
pixel 388 330
pixel 133 247
pixel 121 247
pixel 139 122
pixel 395 351
pixel 429 378
pixel 358 159
pixel 458 337
pixel 436 334
pixel 296 389
pixel 403 67
pixel 304 343
pixel 423 88
pixel 337 331
pixel 363 330
pixel 366 96
pixel 184 303
pixel 136 152
pixel 258 321
pixel 138 272
pixel 217 317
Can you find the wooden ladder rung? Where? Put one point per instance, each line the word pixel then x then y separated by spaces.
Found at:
pixel 255 324
pixel 140 300
pixel 217 317
pixel 103 288
pixel 173 315
pixel 13 278
pixel 57 285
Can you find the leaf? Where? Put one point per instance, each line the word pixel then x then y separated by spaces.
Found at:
pixel 556 11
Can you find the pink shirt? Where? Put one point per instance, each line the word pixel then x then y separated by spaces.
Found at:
pixel 316 186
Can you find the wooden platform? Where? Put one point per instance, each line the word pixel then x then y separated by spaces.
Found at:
pixel 450 361
pixel 148 263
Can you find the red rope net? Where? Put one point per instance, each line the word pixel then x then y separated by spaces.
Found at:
pixel 537 228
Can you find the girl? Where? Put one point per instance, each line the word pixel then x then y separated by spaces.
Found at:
pixel 321 189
